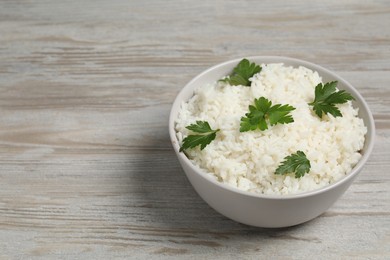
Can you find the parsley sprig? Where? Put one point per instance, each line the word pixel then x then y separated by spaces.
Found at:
pixel 295 163
pixel 242 73
pixel 326 98
pixel 262 112
pixel 205 136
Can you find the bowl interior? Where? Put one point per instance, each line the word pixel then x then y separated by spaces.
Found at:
pixel 217 72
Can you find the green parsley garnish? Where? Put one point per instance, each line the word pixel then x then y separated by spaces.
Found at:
pixel 326 99
pixel 242 73
pixel 297 163
pixel 205 136
pixel 263 111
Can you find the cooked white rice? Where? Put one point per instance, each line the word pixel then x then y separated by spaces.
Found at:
pixel 248 160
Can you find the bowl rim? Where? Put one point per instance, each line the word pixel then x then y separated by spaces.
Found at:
pixel 369 137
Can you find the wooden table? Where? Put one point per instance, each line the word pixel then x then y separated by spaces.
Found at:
pixel 87 169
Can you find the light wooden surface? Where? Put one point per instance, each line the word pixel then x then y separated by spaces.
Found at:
pixel 86 166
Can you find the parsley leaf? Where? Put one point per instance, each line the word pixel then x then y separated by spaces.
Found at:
pixel 326 99
pixel 297 163
pixel 203 139
pixel 242 73
pixel 263 111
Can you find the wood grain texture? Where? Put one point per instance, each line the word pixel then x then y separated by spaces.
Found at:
pixel 87 170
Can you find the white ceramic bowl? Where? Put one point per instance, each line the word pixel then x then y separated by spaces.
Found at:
pixel 268 210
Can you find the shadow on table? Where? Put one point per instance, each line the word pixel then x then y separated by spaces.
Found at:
pixel 169 201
